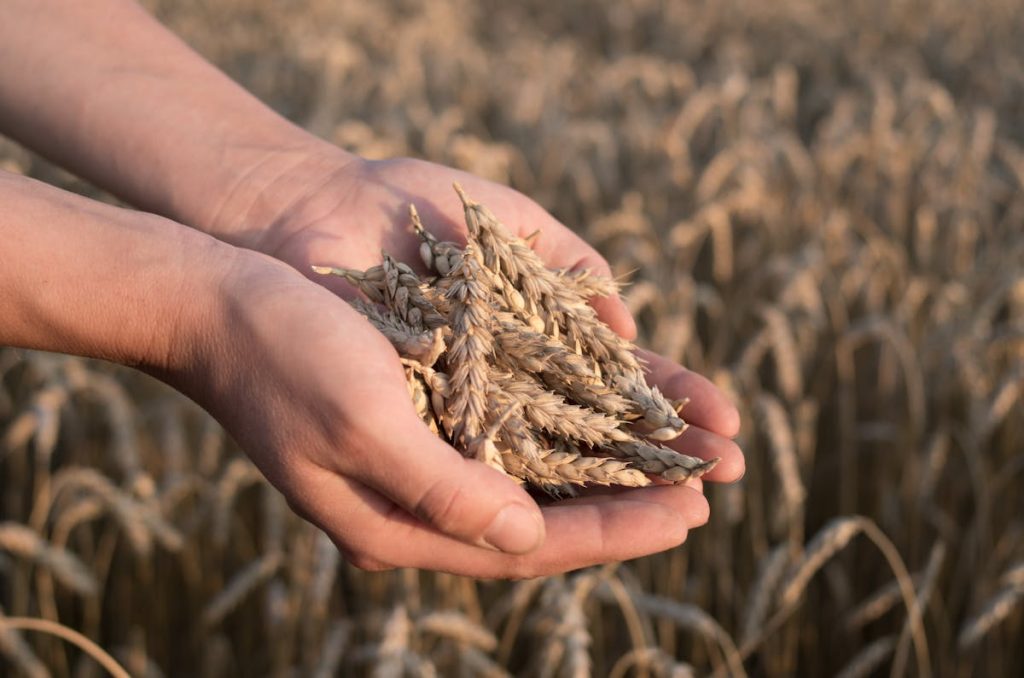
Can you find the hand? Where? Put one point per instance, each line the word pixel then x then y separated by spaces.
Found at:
pixel 357 209
pixel 310 390
pixel 317 398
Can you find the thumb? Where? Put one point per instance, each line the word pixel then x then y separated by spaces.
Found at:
pixel 457 496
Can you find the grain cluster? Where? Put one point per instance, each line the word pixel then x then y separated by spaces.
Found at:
pixel 506 360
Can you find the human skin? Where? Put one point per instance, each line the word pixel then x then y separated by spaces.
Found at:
pixel 310 391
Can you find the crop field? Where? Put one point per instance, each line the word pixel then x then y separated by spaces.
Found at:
pixel 819 205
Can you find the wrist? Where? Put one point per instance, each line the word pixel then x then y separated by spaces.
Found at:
pixel 91 279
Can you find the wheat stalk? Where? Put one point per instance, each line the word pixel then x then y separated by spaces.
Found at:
pixel 867 661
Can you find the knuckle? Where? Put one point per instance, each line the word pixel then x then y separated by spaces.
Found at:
pixel 299 510
pixel 520 569
pixel 358 553
pixel 441 506
pixel 359 557
pixel 703 514
pixel 680 538
pixel 367 563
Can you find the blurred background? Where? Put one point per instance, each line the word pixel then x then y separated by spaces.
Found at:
pixel 820 205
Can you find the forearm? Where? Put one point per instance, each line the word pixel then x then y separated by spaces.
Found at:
pixel 94 280
pixel 103 89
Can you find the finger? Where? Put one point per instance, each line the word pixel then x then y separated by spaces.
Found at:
pixel 709 408
pixel 594 531
pixel 580 532
pixel 698 442
pixel 613 312
pixel 463 498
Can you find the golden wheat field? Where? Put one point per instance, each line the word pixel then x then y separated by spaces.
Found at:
pixel 819 205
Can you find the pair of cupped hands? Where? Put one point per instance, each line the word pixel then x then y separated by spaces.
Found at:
pixel 317 397
pixel 312 392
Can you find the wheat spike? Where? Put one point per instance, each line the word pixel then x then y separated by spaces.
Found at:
pixel 26 543
pixel 458 627
pixel 668 464
pixel 472 344
pixel 241 585
pixel 867 661
pixel 424 346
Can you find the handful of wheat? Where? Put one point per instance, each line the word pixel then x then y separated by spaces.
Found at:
pixel 507 361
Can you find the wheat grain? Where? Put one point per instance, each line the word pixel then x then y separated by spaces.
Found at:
pixel 549 412
pixel 826 543
pixel 669 464
pixel 568 314
pixel 424 346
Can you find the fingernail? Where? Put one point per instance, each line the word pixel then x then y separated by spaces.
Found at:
pixel 516 529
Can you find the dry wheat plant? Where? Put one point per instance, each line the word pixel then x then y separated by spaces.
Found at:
pixel 818 204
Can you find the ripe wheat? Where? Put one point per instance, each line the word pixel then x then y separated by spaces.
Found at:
pixel 508 356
